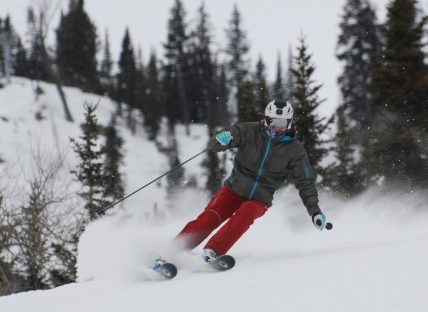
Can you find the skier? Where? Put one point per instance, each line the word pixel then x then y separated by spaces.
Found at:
pixel 267 153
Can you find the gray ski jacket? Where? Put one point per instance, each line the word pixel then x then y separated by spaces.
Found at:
pixel 262 164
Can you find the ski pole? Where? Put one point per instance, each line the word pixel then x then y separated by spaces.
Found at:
pixel 154 180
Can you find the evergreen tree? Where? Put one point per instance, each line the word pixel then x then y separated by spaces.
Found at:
pixel 89 172
pixel 7 43
pixel 237 51
pixel 218 115
pixel 289 81
pixel 176 102
pixel 359 47
pixel 221 114
pixel 127 79
pixel 20 63
pixel 261 87
pixel 33 233
pixel 106 69
pixel 309 124
pixel 153 110
pixel 140 83
pixel 215 172
pixel 68 257
pixel 77 49
pixel 40 60
pixel 13 56
pixel 395 148
pixel 248 110
pixel 278 88
pixel 113 186
pixel 175 177
pixel 201 89
pixel 208 104
pixel 37 52
pixel 343 176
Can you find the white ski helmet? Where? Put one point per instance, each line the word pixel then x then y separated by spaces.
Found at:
pixel 279 114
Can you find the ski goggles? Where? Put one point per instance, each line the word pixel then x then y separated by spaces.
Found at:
pixel 278 122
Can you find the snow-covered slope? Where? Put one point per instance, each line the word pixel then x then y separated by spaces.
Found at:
pixel 31 126
pixel 374 259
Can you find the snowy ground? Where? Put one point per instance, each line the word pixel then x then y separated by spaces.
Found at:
pixel 374 259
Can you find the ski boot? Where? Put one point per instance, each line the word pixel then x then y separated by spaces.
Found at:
pixel 209 255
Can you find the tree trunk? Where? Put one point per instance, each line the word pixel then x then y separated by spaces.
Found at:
pixel 3 282
pixel 55 76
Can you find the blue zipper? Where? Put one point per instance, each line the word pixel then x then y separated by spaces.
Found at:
pixel 261 168
pixel 306 170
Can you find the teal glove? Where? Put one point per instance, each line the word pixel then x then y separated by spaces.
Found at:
pixel 224 137
pixel 319 220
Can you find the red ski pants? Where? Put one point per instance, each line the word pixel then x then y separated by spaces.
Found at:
pixel 224 205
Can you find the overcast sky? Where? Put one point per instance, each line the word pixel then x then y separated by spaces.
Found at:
pixel 272 27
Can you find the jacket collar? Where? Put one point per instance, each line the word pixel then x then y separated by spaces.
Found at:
pixel 277 138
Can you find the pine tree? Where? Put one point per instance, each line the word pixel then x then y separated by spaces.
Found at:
pixel 278 88
pixel 33 233
pixel 113 186
pixel 13 56
pixel 208 105
pixel 37 51
pixel 359 48
pixel 140 83
pixel 395 148
pixel 7 42
pixel 68 257
pixel 218 115
pixel 309 124
pixel 202 84
pixel 89 171
pixel 289 78
pixel 261 87
pixel 127 79
pixel 176 102
pixel 20 61
pixel 215 172
pixel 40 60
pixel 221 114
pixel 237 52
pixel 343 176
pixel 153 110
pixel 106 69
pixel 77 49
pixel 248 110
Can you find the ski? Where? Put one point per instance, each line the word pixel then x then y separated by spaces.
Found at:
pixel 223 263
pixel 167 270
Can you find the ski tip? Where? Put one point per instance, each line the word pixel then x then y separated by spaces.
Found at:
pixel 167 270
pixel 224 263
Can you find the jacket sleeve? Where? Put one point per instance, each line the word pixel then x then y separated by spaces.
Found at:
pixel 304 179
pixel 237 139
